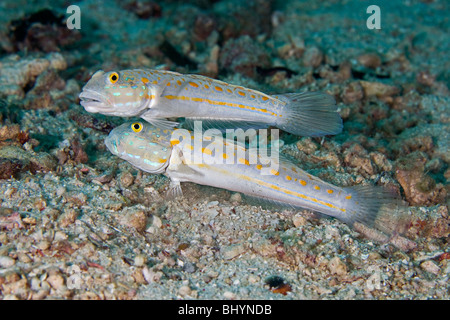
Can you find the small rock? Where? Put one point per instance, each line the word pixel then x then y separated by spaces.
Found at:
pixel 18 288
pixel 336 266
pixel 420 188
pixel 134 218
pixel 67 218
pixel 184 291
pixel 379 90
pixel 126 179
pixel 6 262
pixel 253 279
pixel 430 266
pixel 233 251
pixel 56 281
pixel 229 295
pixel 299 220
pixel 144 9
pixel 151 276
pixel 357 157
pixel 9 168
pixel 189 267
pixel 352 92
pixel 139 260
pixel 312 57
pixel 157 222
pixel 44 245
pixel 425 78
pixel 203 26
pixel 236 197
pixel 369 60
pixel 23 257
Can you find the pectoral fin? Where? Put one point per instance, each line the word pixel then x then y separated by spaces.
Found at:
pixel 175 190
pixel 160 123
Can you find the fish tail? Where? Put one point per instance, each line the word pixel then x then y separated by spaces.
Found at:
pixel 376 207
pixel 309 114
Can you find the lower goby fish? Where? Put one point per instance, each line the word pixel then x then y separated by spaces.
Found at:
pixel 173 153
pixel 156 95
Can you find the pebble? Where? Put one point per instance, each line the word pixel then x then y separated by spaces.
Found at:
pixel 352 92
pixel 68 217
pixel 157 222
pixel 135 218
pixel 430 266
pixel 56 281
pixel 229 295
pixel 151 276
pixel 139 260
pixel 236 197
pixel 312 57
pixel 299 220
pixel 44 245
pixel 378 89
pixel 369 60
pixel 336 266
pixel 185 291
pixel 253 279
pixel 233 251
pixel 6 262
pixel 126 179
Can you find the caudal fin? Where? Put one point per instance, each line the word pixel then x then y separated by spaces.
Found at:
pixel 377 208
pixel 309 114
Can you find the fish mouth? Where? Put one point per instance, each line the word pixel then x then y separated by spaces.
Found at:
pixel 111 144
pixel 93 101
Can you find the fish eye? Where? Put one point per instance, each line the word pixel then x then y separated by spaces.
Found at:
pixel 114 77
pixel 136 127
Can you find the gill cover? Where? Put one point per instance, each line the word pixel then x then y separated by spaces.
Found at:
pixel 145 146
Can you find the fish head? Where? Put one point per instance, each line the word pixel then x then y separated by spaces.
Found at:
pixel 117 93
pixel 141 144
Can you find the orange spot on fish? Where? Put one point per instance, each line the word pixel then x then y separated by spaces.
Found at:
pixel 207 151
pixel 303 182
pixel 218 88
pixel 330 191
pixel 193 84
pixel 244 161
pixel 348 197
pixel 274 172
pixel 144 80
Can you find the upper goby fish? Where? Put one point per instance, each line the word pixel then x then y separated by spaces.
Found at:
pixel 157 150
pixel 156 95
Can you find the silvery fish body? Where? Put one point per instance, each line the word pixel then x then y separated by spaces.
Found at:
pixel 156 95
pixel 181 156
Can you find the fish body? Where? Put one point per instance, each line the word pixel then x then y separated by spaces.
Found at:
pixel 285 182
pixel 156 95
